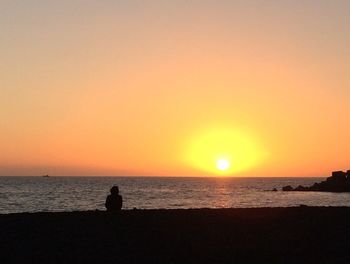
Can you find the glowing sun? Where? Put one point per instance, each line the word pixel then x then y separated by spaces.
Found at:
pixel 216 150
pixel 222 164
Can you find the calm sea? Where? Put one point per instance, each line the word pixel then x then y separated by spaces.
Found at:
pixel 33 194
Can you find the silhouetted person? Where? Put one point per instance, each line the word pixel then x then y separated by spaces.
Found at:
pixel 114 201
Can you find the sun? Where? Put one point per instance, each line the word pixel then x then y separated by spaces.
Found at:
pixel 216 150
pixel 222 164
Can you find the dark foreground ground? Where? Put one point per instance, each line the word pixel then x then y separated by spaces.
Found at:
pixel 265 235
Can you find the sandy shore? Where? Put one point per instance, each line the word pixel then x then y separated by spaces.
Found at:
pixel 261 235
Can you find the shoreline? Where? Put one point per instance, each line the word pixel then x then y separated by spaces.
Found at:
pixel 126 211
pixel 300 234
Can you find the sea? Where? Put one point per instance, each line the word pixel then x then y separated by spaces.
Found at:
pixel 54 194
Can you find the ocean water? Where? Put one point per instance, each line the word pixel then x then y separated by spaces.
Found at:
pixel 34 194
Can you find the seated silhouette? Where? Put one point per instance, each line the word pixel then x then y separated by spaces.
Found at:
pixel 114 201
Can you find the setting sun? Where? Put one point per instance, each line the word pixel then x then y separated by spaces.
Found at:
pixel 222 164
pixel 215 151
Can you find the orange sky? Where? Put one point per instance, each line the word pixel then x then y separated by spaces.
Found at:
pixel 147 88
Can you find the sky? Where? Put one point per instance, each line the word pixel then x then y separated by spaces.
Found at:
pixel 174 88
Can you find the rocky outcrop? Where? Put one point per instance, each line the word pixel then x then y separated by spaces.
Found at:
pixel 338 182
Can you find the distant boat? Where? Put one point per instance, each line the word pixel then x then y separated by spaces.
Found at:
pixel 46 176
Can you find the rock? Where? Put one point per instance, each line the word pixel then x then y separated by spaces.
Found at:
pixel 338 182
pixel 301 188
pixel 287 188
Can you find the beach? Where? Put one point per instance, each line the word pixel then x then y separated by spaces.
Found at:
pixel 255 235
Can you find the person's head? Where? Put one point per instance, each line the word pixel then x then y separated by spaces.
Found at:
pixel 115 190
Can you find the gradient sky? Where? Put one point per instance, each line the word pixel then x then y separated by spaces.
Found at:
pixel 147 87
